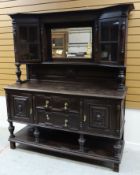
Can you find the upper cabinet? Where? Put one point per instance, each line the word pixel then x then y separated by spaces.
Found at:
pixel 27 40
pixel 93 36
pixel 112 34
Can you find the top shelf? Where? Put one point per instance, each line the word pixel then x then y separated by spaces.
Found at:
pixel 124 6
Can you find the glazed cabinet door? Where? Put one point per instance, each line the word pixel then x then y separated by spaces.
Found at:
pixel 103 117
pixel 21 107
pixel 112 40
pixel 27 42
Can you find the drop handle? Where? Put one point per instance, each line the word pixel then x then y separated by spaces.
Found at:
pixel 66 123
pixel 65 106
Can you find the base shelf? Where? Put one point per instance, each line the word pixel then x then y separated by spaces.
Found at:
pixel 100 149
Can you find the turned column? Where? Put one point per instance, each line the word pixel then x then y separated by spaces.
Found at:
pixel 81 141
pixel 36 134
pixel 116 167
pixel 11 130
pixel 121 79
pixel 117 149
pixel 117 153
pixel 18 73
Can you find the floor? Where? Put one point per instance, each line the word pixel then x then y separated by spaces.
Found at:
pixel 28 161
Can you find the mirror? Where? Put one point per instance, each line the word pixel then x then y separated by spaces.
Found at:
pixel 72 43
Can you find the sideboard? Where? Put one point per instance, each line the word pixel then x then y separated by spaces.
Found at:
pixel 73 100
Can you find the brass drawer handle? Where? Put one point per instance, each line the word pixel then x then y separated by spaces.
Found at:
pixel 65 105
pixel 47 117
pixel 31 111
pixel 85 118
pixel 66 123
pixel 46 104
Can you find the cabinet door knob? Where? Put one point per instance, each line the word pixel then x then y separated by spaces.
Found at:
pixel 66 123
pixel 47 117
pixel 65 105
pixel 98 116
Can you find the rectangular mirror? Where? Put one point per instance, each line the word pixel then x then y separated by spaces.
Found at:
pixel 72 43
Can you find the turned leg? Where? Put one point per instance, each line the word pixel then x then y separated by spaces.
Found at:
pixel 121 79
pixel 116 167
pixel 117 149
pixel 81 141
pixel 11 130
pixel 36 134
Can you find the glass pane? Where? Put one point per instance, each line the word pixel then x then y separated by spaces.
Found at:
pixel 114 30
pixel 114 49
pixel 24 51
pixel 23 34
pixel 72 42
pixel 109 31
pixel 105 52
pixel 109 52
pixel 33 51
pixel 32 33
pixel 23 41
pixel 105 31
pixel 29 51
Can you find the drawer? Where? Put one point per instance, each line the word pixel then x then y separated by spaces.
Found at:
pixel 21 107
pixel 57 103
pixel 57 119
pixel 102 116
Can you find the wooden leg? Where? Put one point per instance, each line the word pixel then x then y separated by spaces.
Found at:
pixel 116 167
pixel 81 141
pixel 117 149
pixel 12 145
pixel 36 134
pixel 11 130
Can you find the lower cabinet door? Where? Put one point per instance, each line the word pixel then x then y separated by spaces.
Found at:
pixel 21 107
pixel 102 117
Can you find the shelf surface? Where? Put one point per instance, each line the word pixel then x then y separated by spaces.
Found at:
pixel 81 62
pixel 69 88
pixel 67 143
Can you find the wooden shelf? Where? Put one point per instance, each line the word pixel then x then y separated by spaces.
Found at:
pixel 67 143
pixel 84 62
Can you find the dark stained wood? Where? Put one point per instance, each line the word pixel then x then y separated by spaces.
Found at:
pixel 67 143
pixel 11 130
pixel 39 48
pixel 18 73
pixel 71 106
pixel 65 88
